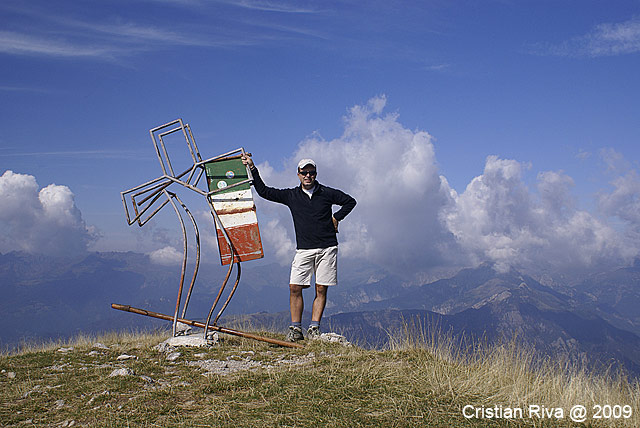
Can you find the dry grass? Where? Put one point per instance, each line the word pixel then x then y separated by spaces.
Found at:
pixel 510 375
pixel 424 380
pixel 86 341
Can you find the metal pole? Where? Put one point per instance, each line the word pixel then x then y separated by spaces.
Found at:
pixel 195 271
pixel 193 140
pixel 224 330
pixel 184 259
pixel 233 256
pixel 233 290
pixel 215 303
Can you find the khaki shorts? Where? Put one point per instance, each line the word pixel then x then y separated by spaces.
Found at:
pixel 322 261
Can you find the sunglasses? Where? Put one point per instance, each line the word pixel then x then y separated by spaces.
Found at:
pixel 303 173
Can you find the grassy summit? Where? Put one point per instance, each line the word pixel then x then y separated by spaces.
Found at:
pixel 421 381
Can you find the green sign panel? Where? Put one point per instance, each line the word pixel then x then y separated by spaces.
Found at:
pixel 225 172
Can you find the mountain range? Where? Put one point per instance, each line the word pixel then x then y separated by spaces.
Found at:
pixel 596 320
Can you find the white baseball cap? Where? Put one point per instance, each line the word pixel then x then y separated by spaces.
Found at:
pixel 305 162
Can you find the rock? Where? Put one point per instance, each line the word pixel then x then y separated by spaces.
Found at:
pixel 65 350
pixel 99 345
pixel 124 357
pixel 225 367
pixel 122 372
pixel 59 403
pixel 94 353
pixel 173 356
pixel 11 375
pixel 172 343
pixel 335 338
pixel 182 329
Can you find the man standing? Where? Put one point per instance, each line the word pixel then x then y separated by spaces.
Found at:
pixel 316 242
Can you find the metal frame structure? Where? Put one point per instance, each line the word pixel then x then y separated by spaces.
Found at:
pixel 147 199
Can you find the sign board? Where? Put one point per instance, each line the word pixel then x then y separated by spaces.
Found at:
pixel 235 208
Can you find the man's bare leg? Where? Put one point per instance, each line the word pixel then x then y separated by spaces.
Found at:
pixel 319 302
pixel 296 303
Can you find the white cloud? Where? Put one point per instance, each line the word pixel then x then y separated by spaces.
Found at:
pixel 614 161
pixel 409 220
pixel 607 39
pixel 499 219
pixel 167 256
pixel 37 31
pixel 623 201
pixel 18 43
pixel 614 39
pixel 392 172
pixel 269 6
pixel 40 221
pixel 276 235
pixel 555 193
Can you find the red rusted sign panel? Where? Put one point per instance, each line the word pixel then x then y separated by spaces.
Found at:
pixel 236 210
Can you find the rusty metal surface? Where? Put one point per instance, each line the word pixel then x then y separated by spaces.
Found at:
pixel 235 208
pixel 184 260
pixel 247 243
pixel 230 202
pixel 227 211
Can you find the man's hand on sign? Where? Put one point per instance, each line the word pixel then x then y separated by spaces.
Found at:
pixel 246 159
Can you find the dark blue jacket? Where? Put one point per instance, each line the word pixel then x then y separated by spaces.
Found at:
pixel 311 216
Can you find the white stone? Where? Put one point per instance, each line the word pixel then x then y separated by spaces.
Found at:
pixel 122 372
pixel 173 356
pixel 182 329
pixel 124 357
pixel 99 345
pixel 335 338
pixel 193 341
pixel 225 367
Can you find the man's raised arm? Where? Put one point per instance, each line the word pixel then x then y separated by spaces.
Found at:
pixel 266 192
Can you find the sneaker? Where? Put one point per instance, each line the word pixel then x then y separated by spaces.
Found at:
pixel 295 334
pixel 313 332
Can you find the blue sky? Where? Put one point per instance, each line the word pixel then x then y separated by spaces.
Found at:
pixel 543 86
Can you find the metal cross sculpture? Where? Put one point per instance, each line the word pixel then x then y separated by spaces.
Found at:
pixel 228 195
